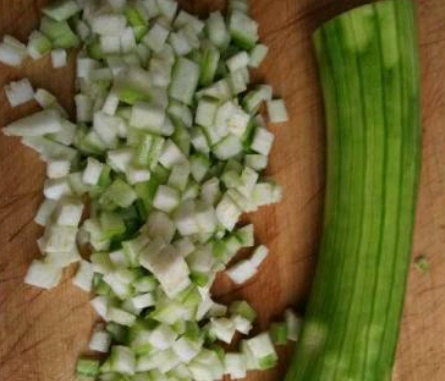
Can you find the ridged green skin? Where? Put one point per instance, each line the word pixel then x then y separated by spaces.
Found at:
pixel 369 69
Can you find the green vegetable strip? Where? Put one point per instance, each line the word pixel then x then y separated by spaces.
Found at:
pixel 368 64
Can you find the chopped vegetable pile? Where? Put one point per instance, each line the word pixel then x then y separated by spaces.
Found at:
pixel 166 153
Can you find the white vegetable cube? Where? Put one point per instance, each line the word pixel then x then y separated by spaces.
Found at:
pixel 127 40
pixel 228 147
pixel 19 92
pixel 184 246
pixel 171 155
pixel 242 324
pixel 144 300
pixel 256 162
pixel 170 268
pixel 211 191
pixel 120 159
pixel 162 337
pixel 276 109
pixel 119 316
pixel 206 112
pixel 206 366
pixel 262 141
pixel 238 122
pixel 259 255
pixel 108 24
pixel 12 51
pixel 179 176
pixel 238 61
pixel 120 287
pixel 123 360
pixel 43 275
pixel 58 58
pixel 241 271
pixel 137 175
pixel 92 172
pixel 249 179
pixel 180 43
pixel 110 44
pixel 84 276
pixel 257 55
pixel 156 37
pixel 100 341
pixel 147 116
pixel 100 305
pixel 228 212
pixel 205 217
pixel 167 8
pixel 111 103
pixel 184 80
pixel 62 259
pixel 235 365
pixel 186 349
pixel 55 189
pixel 160 225
pixel 293 324
pixel 69 212
pixel 38 124
pixel 166 198
pixel 223 329
pixel 262 350
pixel 60 239
pixel 107 127
pixel 201 260
pixel 45 212
pixel 199 140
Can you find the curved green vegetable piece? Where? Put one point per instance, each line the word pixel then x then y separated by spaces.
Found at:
pixel 368 63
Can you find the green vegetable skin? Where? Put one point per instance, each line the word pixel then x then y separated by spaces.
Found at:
pixel 368 62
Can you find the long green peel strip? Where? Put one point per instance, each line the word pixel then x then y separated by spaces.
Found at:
pixel 368 62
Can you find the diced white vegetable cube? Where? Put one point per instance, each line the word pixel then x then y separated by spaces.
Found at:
pixel 100 341
pixel 43 275
pixel 55 189
pixel 58 58
pixel 162 337
pixel 228 212
pixel 84 276
pixel 60 239
pixel 108 24
pixel 100 305
pixel 171 155
pixel 262 141
pixel 277 111
pixel 169 268
pixel 143 300
pixel 223 329
pixel 19 92
pixel 241 271
pixel 293 324
pixel 41 123
pixel 238 61
pixel 92 172
pixel 45 212
pixel 259 255
pixel 123 360
pixel 69 212
pixel 235 365
pixel 166 198
pixel 156 37
pixel 12 51
pixel 186 349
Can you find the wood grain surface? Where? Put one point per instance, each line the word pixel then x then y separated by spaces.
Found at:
pixel 43 332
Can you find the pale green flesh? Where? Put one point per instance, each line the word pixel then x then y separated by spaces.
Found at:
pixel 369 72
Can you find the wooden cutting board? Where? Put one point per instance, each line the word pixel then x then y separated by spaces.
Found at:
pixel 43 332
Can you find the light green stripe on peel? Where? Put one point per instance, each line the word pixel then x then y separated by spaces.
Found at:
pixel 358 28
